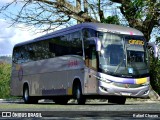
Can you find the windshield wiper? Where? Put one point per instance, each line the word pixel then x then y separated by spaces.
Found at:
pixel 119 65
pixel 124 50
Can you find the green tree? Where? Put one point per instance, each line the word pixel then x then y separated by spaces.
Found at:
pixel 155 69
pixel 143 15
pixel 111 20
pixel 44 14
pixel 5 73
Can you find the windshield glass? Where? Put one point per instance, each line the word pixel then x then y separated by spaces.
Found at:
pixel 122 55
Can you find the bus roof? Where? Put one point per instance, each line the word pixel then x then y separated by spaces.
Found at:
pixel 96 26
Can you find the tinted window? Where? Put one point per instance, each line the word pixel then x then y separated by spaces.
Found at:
pixel 70 44
pixel 87 33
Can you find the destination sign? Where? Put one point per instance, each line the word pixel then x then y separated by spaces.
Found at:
pixel 136 42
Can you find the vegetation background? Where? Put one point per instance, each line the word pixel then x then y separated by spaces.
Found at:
pixel 143 15
pixel 5 74
pixel 155 69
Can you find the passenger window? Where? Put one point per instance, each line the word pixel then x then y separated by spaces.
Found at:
pixel 91 57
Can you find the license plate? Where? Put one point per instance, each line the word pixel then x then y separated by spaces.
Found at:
pixel 126 94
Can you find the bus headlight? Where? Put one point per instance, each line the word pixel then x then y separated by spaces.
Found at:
pixel 145 84
pixel 105 80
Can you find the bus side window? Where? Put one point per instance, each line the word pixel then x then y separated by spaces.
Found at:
pixel 87 50
pixel 93 60
pixel 15 56
pixel 90 57
pixel 51 47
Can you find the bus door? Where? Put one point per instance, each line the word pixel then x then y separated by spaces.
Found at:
pixel 91 63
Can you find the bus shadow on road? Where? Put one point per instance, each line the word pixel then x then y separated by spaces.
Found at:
pixel 87 104
pixel 50 102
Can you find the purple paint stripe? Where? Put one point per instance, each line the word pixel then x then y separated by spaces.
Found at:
pixel 121 80
pixel 124 80
pixel 54 92
pixel 129 81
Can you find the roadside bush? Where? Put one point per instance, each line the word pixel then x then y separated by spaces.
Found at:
pixel 5 73
pixel 155 74
pixel 155 68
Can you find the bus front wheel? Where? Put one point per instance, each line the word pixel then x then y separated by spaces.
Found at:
pixel 78 95
pixel 28 99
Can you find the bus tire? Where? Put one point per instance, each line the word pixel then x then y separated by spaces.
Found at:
pixel 117 100
pixel 26 96
pixel 78 95
pixel 28 99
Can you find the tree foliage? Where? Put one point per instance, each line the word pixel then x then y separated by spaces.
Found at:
pixel 155 69
pixel 141 14
pixel 155 75
pixel 5 73
pixel 6 59
pixel 111 20
pixel 46 14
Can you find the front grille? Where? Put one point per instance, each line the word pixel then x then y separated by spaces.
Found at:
pixel 127 85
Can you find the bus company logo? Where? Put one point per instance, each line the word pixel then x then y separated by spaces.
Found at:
pixel 127 86
pixel 72 63
pixel 20 74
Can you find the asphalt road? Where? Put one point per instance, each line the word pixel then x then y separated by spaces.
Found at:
pixel 92 110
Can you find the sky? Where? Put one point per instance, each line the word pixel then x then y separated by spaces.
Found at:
pixel 11 35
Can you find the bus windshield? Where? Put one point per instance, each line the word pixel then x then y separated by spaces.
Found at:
pixel 123 55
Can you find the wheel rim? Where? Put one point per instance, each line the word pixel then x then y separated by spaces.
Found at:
pixel 26 94
pixel 78 93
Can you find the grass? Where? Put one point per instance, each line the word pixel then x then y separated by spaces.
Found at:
pixel 26 106
pixel 20 106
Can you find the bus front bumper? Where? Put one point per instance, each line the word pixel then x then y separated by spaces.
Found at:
pixel 123 90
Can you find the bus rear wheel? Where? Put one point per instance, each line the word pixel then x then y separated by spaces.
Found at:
pixel 28 99
pixel 78 95
pixel 117 99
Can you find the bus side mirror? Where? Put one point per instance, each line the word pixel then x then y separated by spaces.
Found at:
pixel 155 48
